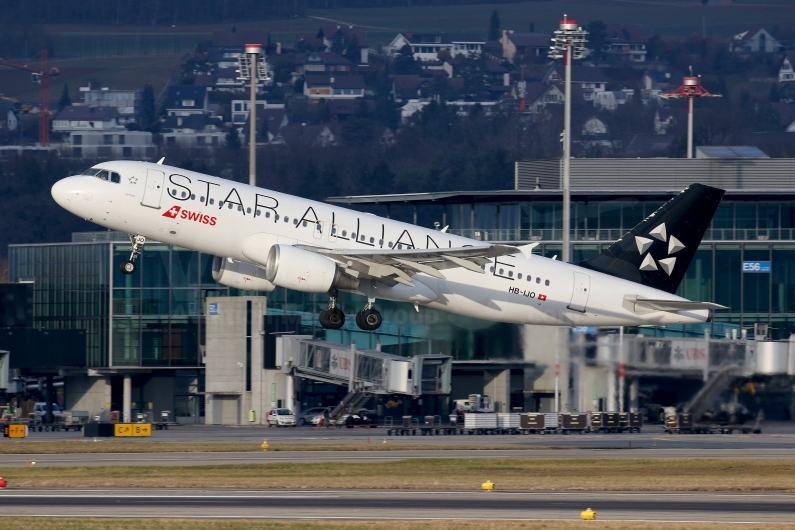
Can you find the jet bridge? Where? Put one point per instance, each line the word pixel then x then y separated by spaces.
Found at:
pixel 370 371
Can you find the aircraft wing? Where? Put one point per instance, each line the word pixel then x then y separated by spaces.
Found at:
pixel 401 265
pixel 674 305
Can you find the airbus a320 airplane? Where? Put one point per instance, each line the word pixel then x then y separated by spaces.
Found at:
pixel 263 239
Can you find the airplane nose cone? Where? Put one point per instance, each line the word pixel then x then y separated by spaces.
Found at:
pixel 63 192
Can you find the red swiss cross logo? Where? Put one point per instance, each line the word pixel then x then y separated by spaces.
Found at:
pixel 173 212
pixel 542 297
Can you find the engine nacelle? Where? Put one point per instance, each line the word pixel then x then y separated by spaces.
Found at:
pixel 240 275
pixel 301 270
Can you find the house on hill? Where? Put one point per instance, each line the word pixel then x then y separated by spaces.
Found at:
pixel 184 100
pixel 519 47
pixel 426 46
pixel 786 72
pixel 588 79
pixel 321 86
pixel 626 42
pixel 756 40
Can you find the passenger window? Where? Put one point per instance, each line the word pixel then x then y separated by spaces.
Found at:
pixel 546 283
pixel 381 242
pixel 529 278
pixel 390 244
pixel 212 201
pixel 229 205
pixel 510 274
pixel 192 197
pixel 353 235
pixel 248 210
pixel 303 224
pixel 286 219
pixel 491 269
pixel 333 229
pixel 538 279
pixel 502 270
pixel 276 217
pixel 361 238
pixel 115 177
pixel 184 194
pixel 201 199
pixel 344 233
pixel 519 276
pixel 267 215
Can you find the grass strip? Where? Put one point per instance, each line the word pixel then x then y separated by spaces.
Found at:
pixel 118 446
pixel 521 474
pixel 23 523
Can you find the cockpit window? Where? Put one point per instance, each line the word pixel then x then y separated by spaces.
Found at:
pixel 103 174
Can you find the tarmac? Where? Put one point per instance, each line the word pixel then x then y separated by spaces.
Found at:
pixel 373 505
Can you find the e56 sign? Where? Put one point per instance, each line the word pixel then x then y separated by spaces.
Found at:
pixel 756 266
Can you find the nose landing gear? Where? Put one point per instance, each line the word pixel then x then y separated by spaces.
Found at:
pixel 332 317
pixel 369 319
pixel 136 247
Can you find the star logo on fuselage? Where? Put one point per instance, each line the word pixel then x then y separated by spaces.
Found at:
pixel 133 180
pixel 659 233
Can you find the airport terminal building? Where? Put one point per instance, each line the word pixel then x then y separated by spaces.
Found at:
pixel 146 333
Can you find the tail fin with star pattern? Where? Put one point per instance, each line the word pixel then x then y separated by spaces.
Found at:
pixel 658 250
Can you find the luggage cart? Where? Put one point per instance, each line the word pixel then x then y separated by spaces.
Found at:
pixel 431 426
pixel 572 422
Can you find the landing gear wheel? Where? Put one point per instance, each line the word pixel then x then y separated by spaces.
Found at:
pixel 332 318
pixel 127 267
pixel 368 319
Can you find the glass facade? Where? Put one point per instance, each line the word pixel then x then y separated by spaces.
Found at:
pixel 607 220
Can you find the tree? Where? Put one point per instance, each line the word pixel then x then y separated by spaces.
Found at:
pixel 352 50
pixel 494 26
pixel 65 100
pixel 233 139
pixel 597 39
pixel 404 62
pixel 147 115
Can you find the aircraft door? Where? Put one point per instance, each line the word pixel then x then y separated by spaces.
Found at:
pixel 579 295
pixel 154 188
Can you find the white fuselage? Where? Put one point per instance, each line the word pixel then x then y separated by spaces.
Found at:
pixel 216 216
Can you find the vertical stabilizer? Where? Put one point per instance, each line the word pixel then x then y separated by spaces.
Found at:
pixel 658 251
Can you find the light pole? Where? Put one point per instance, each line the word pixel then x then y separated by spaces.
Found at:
pixel 251 66
pixel 691 88
pixel 568 43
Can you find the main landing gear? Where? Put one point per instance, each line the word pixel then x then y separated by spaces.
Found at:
pixel 136 247
pixel 368 319
pixel 332 317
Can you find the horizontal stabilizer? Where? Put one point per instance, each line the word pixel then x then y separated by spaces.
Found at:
pixel 672 305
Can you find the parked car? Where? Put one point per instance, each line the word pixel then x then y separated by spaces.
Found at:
pixel 312 415
pixel 281 418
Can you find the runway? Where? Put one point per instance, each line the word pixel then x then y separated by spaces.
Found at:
pixel 207 503
pixel 260 457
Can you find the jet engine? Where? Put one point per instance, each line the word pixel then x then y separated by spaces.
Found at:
pixel 302 270
pixel 240 275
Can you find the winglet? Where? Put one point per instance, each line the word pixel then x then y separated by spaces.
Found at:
pixel 527 250
pixel 160 162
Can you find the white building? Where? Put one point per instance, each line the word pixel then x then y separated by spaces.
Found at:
pixel 611 99
pixel 786 72
pixel 755 41
pixel 78 118
pixel 317 87
pixel 426 46
pixel 193 131
pixel 109 145
pixel 124 101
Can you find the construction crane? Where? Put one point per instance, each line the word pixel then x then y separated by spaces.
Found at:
pixel 41 75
